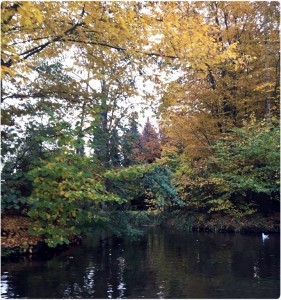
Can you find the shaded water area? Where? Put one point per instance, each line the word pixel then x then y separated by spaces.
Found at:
pixel 162 264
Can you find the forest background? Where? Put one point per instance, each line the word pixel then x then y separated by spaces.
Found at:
pixel 76 76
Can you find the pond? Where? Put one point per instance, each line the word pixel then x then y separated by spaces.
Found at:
pixel 163 263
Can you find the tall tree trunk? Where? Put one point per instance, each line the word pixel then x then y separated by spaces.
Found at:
pixel 267 76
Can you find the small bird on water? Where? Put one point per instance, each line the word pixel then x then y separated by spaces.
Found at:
pixel 265 236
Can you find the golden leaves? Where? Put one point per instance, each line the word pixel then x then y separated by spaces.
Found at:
pixel 6 70
pixel 229 74
pixel 15 232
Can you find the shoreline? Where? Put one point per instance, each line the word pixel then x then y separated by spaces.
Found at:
pixel 17 242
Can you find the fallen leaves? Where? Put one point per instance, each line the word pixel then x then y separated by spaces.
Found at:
pixel 14 232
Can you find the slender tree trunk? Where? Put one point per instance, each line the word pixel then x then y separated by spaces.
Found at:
pixel 267 77
pixel 104 125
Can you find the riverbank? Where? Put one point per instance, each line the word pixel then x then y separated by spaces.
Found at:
pixel 191 221
pixel 211 222
pixel 17 241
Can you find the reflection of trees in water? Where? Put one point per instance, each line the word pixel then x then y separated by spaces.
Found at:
pixel 6 288
pixel 202 260
pixel 121 284
pixel 113 266
pixel 161 264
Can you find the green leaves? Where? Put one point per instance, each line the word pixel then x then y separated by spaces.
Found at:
pixel 152 181
pixel 248 164
pixel 66 195
pixel 252 162
pixel 240 176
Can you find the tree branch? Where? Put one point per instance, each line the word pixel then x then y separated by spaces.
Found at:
pixel 55 39
pixel 121 48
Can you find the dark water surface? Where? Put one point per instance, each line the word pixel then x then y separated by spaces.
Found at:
pixel 162 264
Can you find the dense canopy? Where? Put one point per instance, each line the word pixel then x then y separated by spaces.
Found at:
pixel 76 78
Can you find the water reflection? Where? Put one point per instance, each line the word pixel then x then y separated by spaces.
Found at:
pixel 161 294
pixel 109 290
pixel 256 271
pixel 121 284
pixel 162 264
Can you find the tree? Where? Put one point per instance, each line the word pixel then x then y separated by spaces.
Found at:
pixel 81 23
pixel 144 185
pixel 216 95
pixel 129 141
pixel 248 167
pixel 239 178
pixel 22 149
pixel 148 146
pixel 214 67
pixel 66 195
pixel 112 100
pixel 115 155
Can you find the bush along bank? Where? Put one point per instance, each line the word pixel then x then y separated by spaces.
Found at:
pixel 214 222
pixel 17 241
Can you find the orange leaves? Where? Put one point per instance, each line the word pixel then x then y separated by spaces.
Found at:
pixel 229 56
pixel 6 70
pixel 148 146
pixel 15 232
